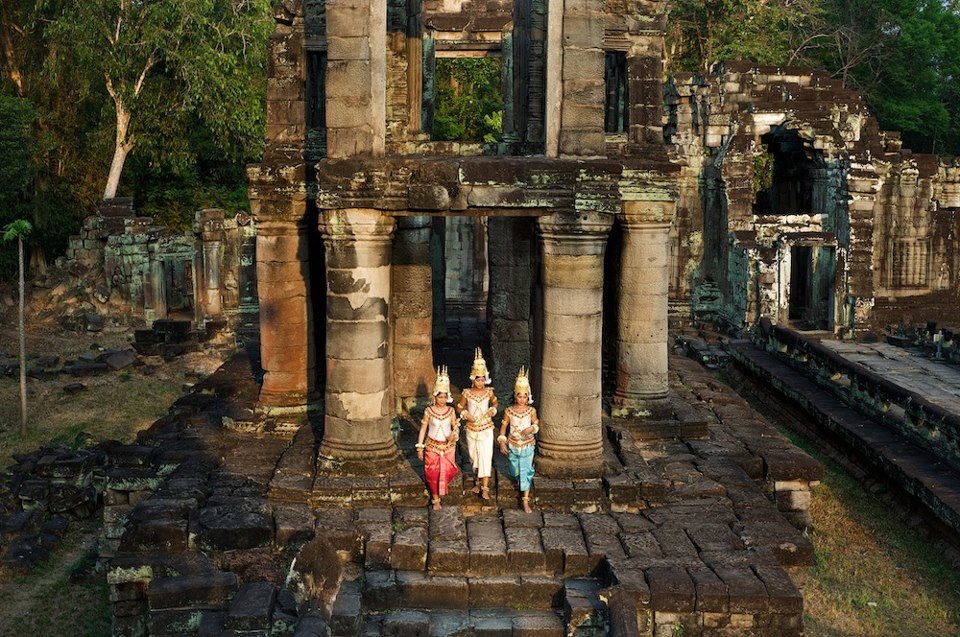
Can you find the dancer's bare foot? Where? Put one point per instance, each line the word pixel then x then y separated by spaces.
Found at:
pixel 484 493
pixel 436 505
pixel 476 488
pixel 526 505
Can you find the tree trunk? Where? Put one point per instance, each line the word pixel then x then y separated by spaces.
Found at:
pixel 122 148
pixel 9 53
pixel 23 348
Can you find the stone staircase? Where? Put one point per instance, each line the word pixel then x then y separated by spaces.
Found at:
pixel 552 573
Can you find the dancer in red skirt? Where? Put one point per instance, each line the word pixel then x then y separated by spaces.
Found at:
pixel 437 442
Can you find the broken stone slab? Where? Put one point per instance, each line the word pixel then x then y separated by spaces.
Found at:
pixel 583 608
pixel 488 547
pixel 409 550
pixel 378 538
pixel 233 527
pixel 406 623
pixel 345 615
pixel 312 624
pixel 252 607
pixel 711 591
pixel 380 590
pixel 524 550
pixel 120 359
pixel 86 369
pixel 565 551
pixel 294 523
pixel 419 590
pixel 447 556
pixel 671 589
pixel 447 524
pixel 208 590
pixel 450 623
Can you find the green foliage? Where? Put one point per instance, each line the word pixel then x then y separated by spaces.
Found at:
pixel 16 230
pixel 167 64
pixel 762 172
pixel 916 87
pixel 902 55
pixel 469 106
pixel 17 116
pixel 700 32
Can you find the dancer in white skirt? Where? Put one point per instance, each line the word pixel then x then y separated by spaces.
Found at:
pixel 477 407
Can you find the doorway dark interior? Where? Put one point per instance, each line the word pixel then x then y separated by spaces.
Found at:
pixel 465 291
pixel 178 285
pixel 812 271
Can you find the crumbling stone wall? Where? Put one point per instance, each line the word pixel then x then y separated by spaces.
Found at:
pixel 199 275
pixel 794 205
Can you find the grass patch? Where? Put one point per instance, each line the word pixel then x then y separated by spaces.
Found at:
pixel 47 601
pixel 91 416
pixel 875 576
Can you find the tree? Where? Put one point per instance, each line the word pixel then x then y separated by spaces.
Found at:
pixel 162 61
pixel 700 32
pixel 18 230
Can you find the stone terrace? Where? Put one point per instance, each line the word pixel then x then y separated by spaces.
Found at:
pixel 689 528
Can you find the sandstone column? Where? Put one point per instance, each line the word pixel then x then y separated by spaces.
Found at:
pixel 571 433
pixel 211 235
pixel 286 342
pixel 357 435
pixel 642 313
pixel 412 311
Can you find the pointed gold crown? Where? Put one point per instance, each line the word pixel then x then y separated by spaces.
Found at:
pixel 442 384
pixel 522 384
pixel 479 367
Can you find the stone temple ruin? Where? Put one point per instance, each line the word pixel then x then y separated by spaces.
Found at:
pixel 283 495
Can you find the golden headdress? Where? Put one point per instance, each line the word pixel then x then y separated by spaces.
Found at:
pixel 522 384
pixel 479 367
pixel 442 383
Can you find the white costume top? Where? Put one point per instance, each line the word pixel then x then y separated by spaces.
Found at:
pixel 440 428
pixel 478 407
pixel 518 422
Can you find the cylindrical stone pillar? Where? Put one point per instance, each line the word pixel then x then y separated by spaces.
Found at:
pixel 642 381
pixel 412 311
pixel 571 432
pixel 357 436
pixel 213 305
pixel 286 340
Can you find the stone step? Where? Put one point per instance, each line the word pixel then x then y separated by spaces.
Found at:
pixel 463 623
pixel 533 606
pixel 384 590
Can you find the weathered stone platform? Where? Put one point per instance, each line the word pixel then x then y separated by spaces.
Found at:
pixel 219 531
pixel 853 402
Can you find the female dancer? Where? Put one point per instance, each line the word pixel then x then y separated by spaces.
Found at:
pixel 478 406
pixel 437 441
pixel 519 445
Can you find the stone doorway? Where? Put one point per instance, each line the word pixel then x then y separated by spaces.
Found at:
pixel 811 296
pixel 178 289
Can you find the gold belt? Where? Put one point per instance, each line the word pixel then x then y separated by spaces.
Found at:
pixel 440 447
pixel 479 426
pixel 521 442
